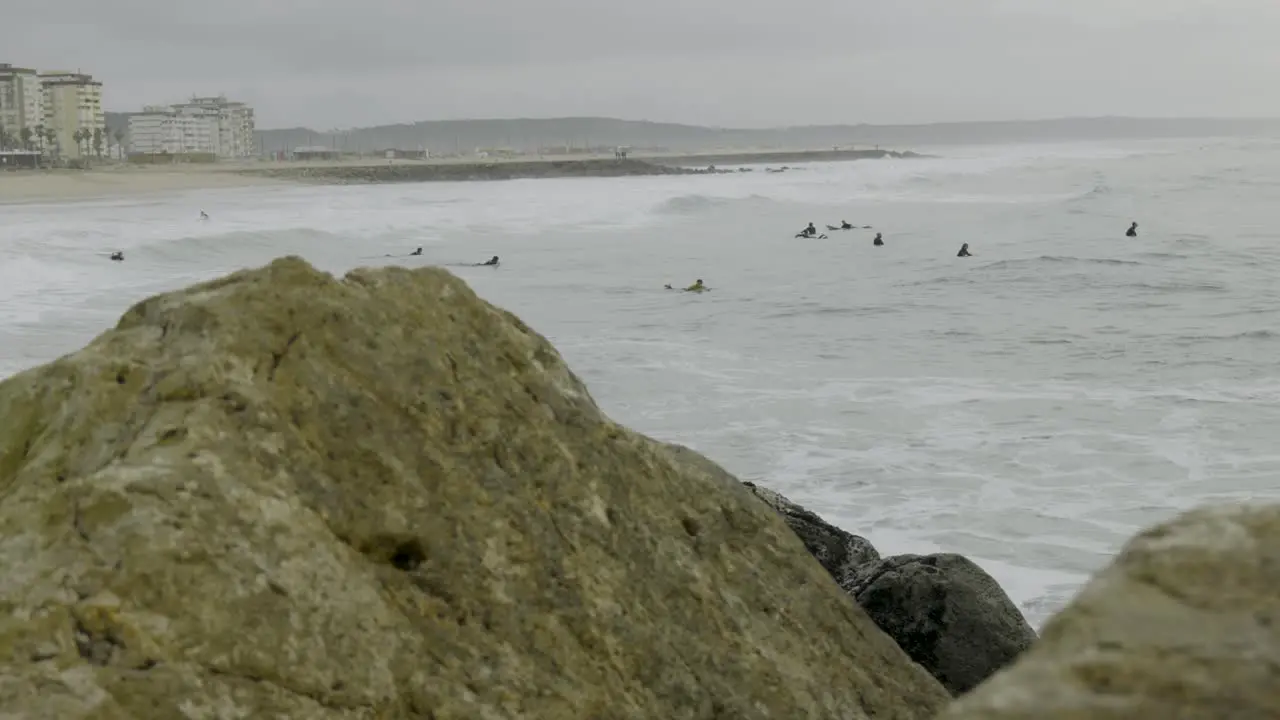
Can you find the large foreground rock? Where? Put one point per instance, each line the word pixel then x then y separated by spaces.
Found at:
pixel 947 613
pixel 1184 625
pixel 280 495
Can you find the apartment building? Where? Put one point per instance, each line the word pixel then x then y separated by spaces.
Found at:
pixel 21 100
pixel 166 129
pixel 235 124
pixel 72 103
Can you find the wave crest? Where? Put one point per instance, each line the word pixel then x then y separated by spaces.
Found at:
pixel 696 203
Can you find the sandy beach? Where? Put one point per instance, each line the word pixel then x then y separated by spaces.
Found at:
pixel 120 180
pixel 117 181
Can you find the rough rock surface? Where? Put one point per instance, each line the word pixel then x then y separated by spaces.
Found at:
pixel 1184 625
pixel 697 462
pixel 281 495
pixel 947 613
pixel 841 553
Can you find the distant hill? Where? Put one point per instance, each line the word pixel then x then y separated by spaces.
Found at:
pixel 444 137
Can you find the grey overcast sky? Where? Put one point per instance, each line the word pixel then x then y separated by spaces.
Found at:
pixel 745 63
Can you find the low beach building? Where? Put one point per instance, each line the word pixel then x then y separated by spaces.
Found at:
pixel 397 154
pixel 316 152
pixel 19 159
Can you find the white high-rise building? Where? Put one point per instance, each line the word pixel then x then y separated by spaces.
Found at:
pixel 73 103
pixel 164 129
pixel 21 101
pixel 235 124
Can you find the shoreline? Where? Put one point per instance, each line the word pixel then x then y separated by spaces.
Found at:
pixel 487 169
pixel 374 173
pixel 119 180
pixel 20 187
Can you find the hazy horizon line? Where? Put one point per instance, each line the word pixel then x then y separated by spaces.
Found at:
pixel 766 128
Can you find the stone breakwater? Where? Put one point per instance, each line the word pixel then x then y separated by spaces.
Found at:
pixel 774 157
pixel 372 172
pixel 283 494
pixel 405 172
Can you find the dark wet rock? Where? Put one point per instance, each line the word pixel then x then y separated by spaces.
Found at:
pixel 841 553
pixel 947 613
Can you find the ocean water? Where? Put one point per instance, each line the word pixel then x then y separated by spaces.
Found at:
pixel 1032 406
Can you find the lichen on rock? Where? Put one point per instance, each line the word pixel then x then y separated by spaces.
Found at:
pixel 281 494
pixel 1185 623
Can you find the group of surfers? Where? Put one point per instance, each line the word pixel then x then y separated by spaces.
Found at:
pixel 698 286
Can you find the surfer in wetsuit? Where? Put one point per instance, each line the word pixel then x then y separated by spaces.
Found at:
pixel 964 251
pixel 203 215
pixel 844 225
pixel 808 232
pixel 416 252
pixel 878 241
pixel 1132 231
pixel 117 256
pixel 697 286
pixel 493 262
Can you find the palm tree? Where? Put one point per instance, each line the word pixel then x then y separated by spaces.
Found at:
pixel 51 137
pixel 119 136
pixel 40 136
pixel 97 142
pixel 25 133
pixel 4 138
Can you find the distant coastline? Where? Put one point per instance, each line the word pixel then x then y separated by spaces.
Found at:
pixel 568 136
pixel 365 172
